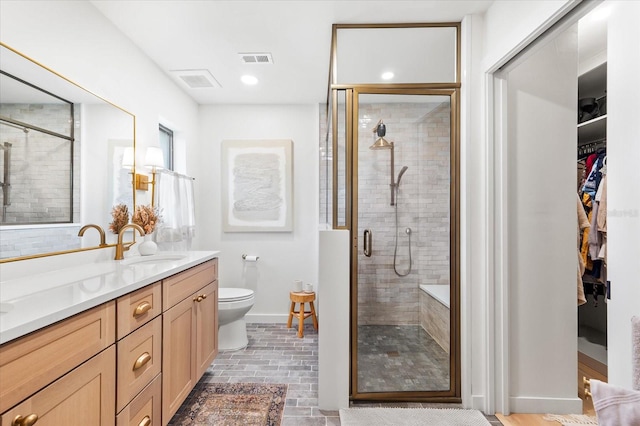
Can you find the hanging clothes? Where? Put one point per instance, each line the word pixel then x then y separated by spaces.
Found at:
pixel 602 217
pixel 595 175
pixel 583 223
pixel 584 244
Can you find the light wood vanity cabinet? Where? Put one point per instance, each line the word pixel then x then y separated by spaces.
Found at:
pixel 190 340
pixel 131 361
pixel 85 396
pixel 34 361
pixel 137 308
pixel 139 360
pixel 146 408
pixel 48 368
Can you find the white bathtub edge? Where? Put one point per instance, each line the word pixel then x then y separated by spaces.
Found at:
pixel 440 292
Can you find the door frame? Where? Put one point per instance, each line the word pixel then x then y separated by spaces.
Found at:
pixel 498 313
pixel 452 395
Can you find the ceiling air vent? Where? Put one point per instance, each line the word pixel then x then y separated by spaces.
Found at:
pixel 197 79
pixel 256 58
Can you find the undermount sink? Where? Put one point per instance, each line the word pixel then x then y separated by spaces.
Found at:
pixel 155 258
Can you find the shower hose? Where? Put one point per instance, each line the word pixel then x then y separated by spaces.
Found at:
pixel 395 250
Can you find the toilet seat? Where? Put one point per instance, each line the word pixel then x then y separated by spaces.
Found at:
pixel 230 294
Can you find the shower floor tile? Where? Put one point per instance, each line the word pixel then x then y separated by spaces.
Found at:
pixel 400 358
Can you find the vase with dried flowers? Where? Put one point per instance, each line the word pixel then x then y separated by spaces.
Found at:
pixel 147 217
pixel 120 217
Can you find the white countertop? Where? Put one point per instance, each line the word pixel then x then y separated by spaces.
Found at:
pixel 30 301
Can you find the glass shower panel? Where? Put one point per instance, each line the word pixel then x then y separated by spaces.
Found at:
pixel 340 158
pixel 403 266
pixel 371 55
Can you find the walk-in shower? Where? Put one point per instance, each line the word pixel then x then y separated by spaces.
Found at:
pixel 404 344
pixel 406 244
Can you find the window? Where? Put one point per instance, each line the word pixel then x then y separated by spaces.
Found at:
pixel 166 144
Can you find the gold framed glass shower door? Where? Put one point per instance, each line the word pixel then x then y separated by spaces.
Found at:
pixel 404 224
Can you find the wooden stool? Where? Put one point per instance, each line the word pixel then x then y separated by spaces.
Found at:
pixel 302 298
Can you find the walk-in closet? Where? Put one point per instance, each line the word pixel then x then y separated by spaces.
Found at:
pixel 592 201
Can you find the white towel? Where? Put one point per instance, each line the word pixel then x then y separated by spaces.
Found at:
pixel 615 406
pixel 177 207
pixel 635 348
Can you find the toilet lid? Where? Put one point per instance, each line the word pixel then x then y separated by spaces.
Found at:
pixel 230 294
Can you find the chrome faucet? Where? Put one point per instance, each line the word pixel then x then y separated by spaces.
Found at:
pixel 103 242
pixel 120 247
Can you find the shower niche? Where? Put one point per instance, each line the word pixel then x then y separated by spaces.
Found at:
pixel 391 164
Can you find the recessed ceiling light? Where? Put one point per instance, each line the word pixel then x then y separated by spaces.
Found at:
pixel 249 80
pixel 387 75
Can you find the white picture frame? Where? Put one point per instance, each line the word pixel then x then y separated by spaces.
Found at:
pixel 257 186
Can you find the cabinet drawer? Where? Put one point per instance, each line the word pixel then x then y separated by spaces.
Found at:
pixel 182 285
pixel 139 361
pixel 138 308
pixel 32 362
pixel 83 397
pixel 146 408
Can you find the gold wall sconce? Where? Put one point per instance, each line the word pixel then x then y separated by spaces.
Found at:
pixel 140 182
pixel 154 160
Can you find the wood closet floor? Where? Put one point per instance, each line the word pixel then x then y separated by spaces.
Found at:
pixel 538 419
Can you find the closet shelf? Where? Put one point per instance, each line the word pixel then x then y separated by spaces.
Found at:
pixel 592 121
pixel 592 130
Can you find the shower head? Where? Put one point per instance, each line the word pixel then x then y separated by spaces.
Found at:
pixel 404 169
pixel 381 143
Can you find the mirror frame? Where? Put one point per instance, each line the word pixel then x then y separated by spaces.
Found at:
pixel 133 169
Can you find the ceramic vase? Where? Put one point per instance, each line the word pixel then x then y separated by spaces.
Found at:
pixel 148 246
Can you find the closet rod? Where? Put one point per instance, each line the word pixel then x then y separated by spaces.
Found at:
pixel 593 141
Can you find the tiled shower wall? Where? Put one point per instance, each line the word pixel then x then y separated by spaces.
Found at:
pixel 421 133
pixel 40 173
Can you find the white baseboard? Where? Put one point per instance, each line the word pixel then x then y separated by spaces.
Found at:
pixel 477 402
pixel 268 318
pixel 533 405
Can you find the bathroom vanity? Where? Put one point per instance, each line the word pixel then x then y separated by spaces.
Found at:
pixel 123 345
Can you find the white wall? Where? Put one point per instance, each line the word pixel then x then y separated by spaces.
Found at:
pixel 473 226
pixel 284 256
pixel 509 26
pixel 74 39
pixel 623 213
pixel 541 247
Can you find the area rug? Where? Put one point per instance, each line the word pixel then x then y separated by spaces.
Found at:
pixel 572 419
pixel 232 404
pixel 411 417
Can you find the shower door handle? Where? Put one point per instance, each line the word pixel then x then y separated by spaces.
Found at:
pixel 368 238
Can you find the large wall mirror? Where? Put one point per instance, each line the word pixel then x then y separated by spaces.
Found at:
pixel 61 160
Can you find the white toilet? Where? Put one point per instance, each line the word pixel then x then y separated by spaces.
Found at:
pixel 233 304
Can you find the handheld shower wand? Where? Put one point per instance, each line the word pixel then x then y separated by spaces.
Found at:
pixel 404 169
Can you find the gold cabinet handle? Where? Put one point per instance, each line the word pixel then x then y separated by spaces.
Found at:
pixel 198 299
pixel 145 422
pixel 141 361
pixel 31 419
pixel 204 296
pixel 142 309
